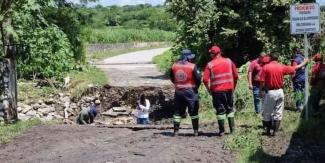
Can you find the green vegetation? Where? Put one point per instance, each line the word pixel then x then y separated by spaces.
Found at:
pixel 138 16
pixel 81 80
pixel 123 35
pixel 140 23
pixel 242 28
pixel 164 61
pixel 247 141
pixel 27 90
pixel 114 52
pixel 9 131
pixel 52 33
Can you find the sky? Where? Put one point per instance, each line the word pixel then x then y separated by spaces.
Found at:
pixel 321 2
pixel 124 2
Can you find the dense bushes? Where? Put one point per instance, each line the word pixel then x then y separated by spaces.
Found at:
pixel 48 54
pixel 139 16
pixel 48 51
pixel 242 28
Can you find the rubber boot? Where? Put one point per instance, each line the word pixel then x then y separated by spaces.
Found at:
pixel 276 126
pixel 221 124
pixel 231 122
pixel 264 123
pixel 268 127
pixel 176 128
pixel 195 124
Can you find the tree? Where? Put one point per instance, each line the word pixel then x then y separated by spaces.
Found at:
pixel 50 31
pixel 239 27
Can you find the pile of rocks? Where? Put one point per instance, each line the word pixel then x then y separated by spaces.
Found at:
pixel 118 116
pixel 56 107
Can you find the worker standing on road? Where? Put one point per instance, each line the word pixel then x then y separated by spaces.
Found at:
pixel 87 115
pixel 317 82
pixel 187 80
pixel 298 79
pixel 254 72
pixel 272 77
pixel 220 78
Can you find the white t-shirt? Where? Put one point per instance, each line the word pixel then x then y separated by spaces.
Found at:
pixel 143 111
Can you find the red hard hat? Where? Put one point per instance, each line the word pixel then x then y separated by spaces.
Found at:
pixel 214 50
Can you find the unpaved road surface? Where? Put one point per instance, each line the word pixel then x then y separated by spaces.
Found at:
pixel 90 144
pixel 134 69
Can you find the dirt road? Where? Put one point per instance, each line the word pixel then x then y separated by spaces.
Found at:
pixel 90 144
pixel 134 69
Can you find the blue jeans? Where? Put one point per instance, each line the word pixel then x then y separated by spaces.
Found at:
pixel 299 87
pixel 257 98
pixel 143 121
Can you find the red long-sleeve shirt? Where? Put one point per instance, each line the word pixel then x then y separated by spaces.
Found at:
pixel 272 74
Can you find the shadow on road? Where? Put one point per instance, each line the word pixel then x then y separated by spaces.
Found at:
pixel 155 77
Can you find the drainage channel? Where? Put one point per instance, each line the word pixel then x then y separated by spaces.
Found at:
pixel 119 103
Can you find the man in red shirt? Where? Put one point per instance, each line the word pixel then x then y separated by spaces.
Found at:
pixel 317 82
pixel 220 78
pixel 272 77
pixel 253 75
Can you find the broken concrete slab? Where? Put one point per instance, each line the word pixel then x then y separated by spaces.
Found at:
pixel 121 109
pixel 110 113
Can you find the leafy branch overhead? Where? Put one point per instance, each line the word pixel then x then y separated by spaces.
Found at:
pixel 242 28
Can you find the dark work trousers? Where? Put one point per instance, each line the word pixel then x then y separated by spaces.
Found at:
pixel 186 98
pixel 223 103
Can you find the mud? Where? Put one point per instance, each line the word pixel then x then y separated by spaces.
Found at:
pixel 161 99
pixel 67 143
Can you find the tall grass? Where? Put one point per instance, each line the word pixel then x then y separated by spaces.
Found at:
pixel 164 61
pixel 81 80
pixel 124 35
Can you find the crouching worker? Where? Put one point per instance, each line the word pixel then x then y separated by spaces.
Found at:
pixel 143 106
pixel 187 80
pixel 87 115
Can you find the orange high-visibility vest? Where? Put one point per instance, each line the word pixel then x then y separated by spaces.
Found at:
pixel 183 75
pixel 221 76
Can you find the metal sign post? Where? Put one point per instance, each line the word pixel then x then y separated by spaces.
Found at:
pixel 306 76
pixel 305 19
